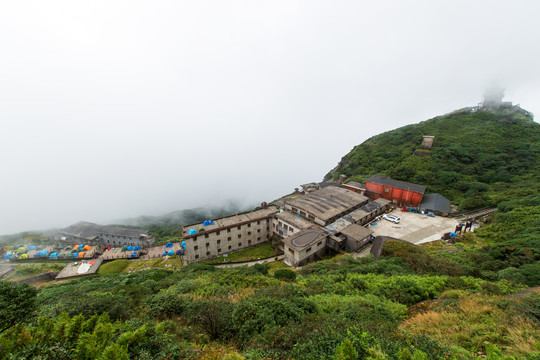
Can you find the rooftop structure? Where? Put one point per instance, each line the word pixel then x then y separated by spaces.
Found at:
pixel 229 221
pixel 325 205
pixel 435 202
pixel 294 220
pixel 385 180
pixel 356 231
pixel 305 238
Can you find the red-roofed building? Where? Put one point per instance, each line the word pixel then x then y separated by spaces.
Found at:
pixel 400 193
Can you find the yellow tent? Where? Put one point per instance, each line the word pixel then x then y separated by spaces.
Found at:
pixel 24 256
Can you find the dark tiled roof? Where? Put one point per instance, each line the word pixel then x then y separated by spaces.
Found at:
pixel 385 180
pixel 435 201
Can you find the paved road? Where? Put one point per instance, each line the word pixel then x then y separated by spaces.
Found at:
pixel 6 269
pixel 251 263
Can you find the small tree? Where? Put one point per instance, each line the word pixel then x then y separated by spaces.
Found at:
pixel 17 304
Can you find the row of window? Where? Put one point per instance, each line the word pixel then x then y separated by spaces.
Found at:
pixel 219 250
pixel 206 236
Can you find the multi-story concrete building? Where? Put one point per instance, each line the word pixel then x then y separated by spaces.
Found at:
pixel 95 234
pixel 226 235
pixel 305 246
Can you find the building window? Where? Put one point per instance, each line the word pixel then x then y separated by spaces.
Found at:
pixel 239 236
pixel 217 232
pixel 218 241
pixel 249 225
pixel 249 232
pixel 206 236
pixel 230 247
pixel 308 250
pixel 229 238
pixel 259 238
pixel 195 248
pixel 290 228
pixel 228 230
pixel 218 250
pixel 319 243
pixel 280 223
pixel 208 253
pixel 258 222
pixel 207 244
pixel 302 214
pixel 386 189
pixel 249 242
pixel 295 210
pixel 239 244
pixel 258 230
pixel 240 227
pixel 196 256
pixel 291 251
pixel 194 239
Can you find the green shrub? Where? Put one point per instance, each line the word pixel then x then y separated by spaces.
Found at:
pixel 285 274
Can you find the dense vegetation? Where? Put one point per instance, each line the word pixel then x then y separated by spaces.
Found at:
pixel 478 158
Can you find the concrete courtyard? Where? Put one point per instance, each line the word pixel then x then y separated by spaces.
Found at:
pixel 415 228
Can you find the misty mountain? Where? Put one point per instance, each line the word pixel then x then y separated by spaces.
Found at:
pixel 479 157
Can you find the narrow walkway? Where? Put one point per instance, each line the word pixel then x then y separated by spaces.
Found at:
pixel 250 263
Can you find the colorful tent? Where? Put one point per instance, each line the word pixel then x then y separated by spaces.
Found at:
pixel 171 252
pixel 137 248
pixel 75 254
pixel 22 249
pixel 129 248
pixel 164 253
pixel 81 246
pixel 31 247
pixel 53 256
pixel 208 222
pixel 24 256
pixel 179 252
pixel 169 245
pixel 75 247
pixel 87 247
pixel 192 231
pixel 81 254
pixel 183 243
pixel 133 254
pixel 8 256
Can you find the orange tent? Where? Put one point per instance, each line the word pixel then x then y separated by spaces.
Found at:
pixel 75 247
pixel 81 254
pixel 87 247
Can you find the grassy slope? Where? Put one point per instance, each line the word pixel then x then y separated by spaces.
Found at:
pixel 478 158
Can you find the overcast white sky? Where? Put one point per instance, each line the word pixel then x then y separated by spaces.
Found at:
pixel 111 109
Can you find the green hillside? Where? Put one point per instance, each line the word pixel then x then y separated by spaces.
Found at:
pixel 479 158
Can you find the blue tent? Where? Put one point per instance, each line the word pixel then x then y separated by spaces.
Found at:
pixel 129 248
pixel 192 231
pixel 183 243
pixel 31 247
pixel 453 234
pixel 169 245
pixel 133 254
pixel 81 246
pixel 75 254
pixel 179 252
pixel 7 256
pixel 136 248
pixel 53 256
pixel 164 253
pixel 171 252
pixel 208 222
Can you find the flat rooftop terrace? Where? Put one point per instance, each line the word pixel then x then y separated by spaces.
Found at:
pixel 328 202
pixel 293 220
pixel 305 238
pixel 230 221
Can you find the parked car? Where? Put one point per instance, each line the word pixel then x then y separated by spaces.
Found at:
pixel 393 218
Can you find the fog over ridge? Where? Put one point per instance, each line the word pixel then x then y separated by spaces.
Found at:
pixel 110 110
